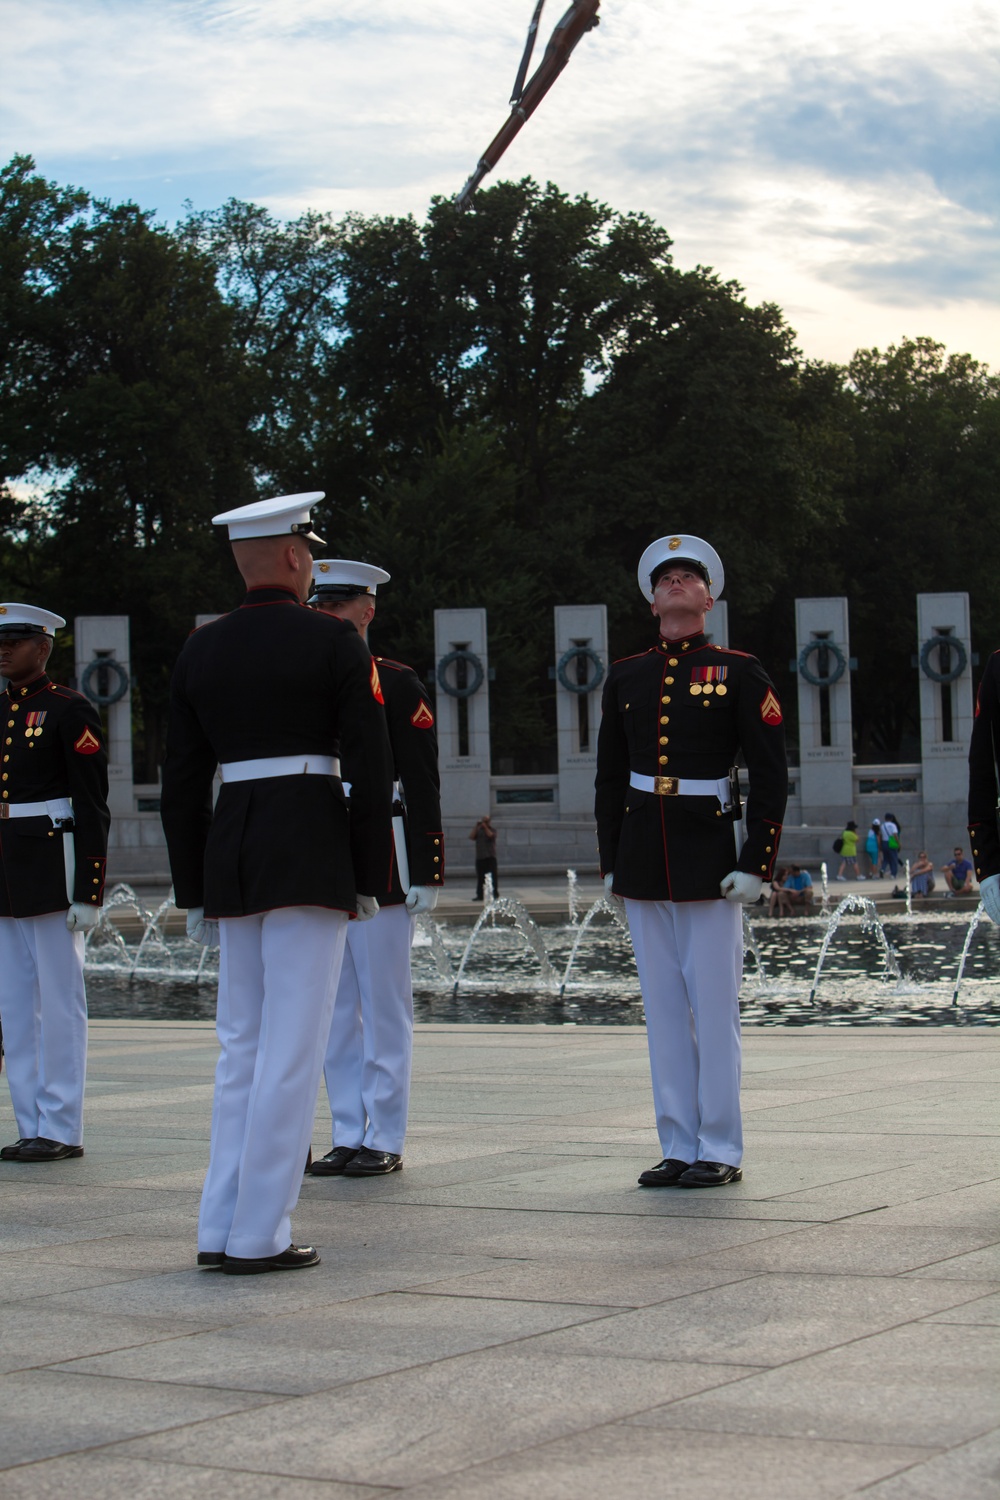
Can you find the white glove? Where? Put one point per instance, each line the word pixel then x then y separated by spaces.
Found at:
pixel 80 917
pixel 367 908
pixel 421 898
pixel 739 886
pixel 989 893
pixel 201 929
pixel 609 894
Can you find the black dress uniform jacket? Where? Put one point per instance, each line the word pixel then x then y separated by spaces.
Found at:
pixel 983 793
pixel 413 738
pixel 275 678
pixel 687 709
pixel 53 747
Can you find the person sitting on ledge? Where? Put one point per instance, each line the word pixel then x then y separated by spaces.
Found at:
pixel 780 900
pixel 799 888
pixel 958 875
pixel 922 875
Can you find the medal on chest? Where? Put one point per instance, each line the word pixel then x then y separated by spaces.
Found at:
pixel 705 680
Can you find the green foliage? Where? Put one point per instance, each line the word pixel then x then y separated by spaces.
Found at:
pixel 504 407
pixel 136 438
pixel 919 499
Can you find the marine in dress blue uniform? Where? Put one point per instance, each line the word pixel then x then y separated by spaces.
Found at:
pixel 267 694
pixel 984 788
pixel 673 847
pixel 54 825
pixel 369 1055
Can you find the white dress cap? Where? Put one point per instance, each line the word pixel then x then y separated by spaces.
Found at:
pixel 25 620
pixel 286 515
pixel 669 549
pixel 343 579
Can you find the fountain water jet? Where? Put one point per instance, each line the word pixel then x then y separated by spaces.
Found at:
pixel 870 922
pixel 505 906
pixel 979 915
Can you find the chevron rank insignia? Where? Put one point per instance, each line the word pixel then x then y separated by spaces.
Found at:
pixel 770 709
pixel 422 718
pixel 87 744
pixel 376 685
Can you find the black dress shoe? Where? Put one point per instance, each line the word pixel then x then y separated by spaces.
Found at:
pixel 45 1150
pixel 666 1174
pixel 211 1260
pixel 370 1163
pixel 334 1162
pixel 709 1174
pixel 11 1153
pixel 295 1258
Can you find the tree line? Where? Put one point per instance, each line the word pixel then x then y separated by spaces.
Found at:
pixel 503 407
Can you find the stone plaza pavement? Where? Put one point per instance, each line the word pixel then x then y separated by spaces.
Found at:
pixel 510 1316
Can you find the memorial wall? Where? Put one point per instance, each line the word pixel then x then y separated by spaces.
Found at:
pixel 545 823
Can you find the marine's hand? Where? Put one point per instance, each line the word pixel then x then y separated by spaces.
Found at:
pixel 609 894
pixel 739 886
pixel 201 929
pixel 989 891
pixel 367 908
pixel 80 917
pixel 421 898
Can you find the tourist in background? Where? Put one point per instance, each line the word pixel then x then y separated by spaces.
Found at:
pixel 922 875
pixel 799 888
pixel 873 848
pixel 849 853
pixel 485 837
pixel 890 846
pixel 779 903
pixel 958 875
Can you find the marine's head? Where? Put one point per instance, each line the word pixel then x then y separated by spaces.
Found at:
pixel 270 540
pixel 347 589
pixel 26 636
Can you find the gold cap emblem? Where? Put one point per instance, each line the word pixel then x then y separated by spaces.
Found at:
pixel 674 543
pixel 324 567
pixel 3 609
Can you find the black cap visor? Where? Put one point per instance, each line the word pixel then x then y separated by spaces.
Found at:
pixel 678 562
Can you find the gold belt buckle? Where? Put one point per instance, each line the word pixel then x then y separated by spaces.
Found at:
pixel 666 786
pixel 4 811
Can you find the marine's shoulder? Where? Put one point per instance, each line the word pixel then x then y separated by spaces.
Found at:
pixel 625 662
pixel 731 651
pixel 61 694
pixel 390 664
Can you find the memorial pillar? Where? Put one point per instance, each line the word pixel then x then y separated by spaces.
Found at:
pixel 944 665
pixel 826 759
pixel 462 677
pixel 104 675
pixel 581 642
pixel 717 623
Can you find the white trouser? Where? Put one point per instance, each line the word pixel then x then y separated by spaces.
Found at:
pixel 690 960
pixel 43 1007
pixel 278 974
pixel 370 1051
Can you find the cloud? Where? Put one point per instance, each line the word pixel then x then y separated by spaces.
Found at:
pixel 840 161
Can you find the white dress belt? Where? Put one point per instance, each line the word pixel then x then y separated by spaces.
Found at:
pixel 680 786
pixel 59 807
pixel 280 765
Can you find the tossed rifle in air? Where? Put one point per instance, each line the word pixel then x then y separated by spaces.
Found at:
pixel 580 18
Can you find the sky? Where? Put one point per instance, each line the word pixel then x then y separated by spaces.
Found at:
pixel 840 159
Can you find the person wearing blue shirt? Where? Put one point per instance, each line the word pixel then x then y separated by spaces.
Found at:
pixel 958 875
pixel 800 888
